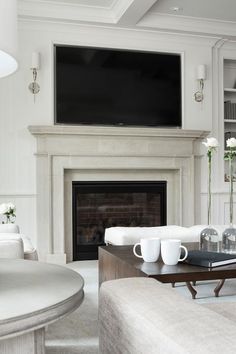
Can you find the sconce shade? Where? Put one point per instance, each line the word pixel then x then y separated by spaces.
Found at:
pixel 8 37
pixel 35 64
pixel 201 72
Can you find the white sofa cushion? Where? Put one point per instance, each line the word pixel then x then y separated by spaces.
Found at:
pixel 131 235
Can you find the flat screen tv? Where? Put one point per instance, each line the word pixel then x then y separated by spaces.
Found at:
pixel 117 87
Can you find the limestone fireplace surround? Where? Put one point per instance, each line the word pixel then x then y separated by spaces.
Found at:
pixel 91 153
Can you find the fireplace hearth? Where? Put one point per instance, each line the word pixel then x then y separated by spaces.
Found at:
pixel 99 205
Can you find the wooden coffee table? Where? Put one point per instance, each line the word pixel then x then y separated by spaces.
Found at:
pixel 119 262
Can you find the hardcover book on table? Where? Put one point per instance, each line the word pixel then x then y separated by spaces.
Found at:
pixel 210 259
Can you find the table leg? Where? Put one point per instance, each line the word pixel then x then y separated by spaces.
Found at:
pixel 173 284
pixel 218 287
pixel 27 343
pixel 191 289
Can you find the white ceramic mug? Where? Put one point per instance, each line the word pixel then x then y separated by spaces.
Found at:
pixel 150 249
pixel 170 251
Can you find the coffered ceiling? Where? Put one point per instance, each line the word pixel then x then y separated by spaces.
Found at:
pixel 96 3
pixel 89 3
pixel 212 9
pixel 206 17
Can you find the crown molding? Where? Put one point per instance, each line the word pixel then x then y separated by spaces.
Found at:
pixel 188 24
pixel 110 36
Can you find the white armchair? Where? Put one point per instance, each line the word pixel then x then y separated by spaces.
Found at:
pixel 12 243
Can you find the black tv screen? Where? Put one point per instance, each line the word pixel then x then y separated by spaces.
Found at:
pixel 117 87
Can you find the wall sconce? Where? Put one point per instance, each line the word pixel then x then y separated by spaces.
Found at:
pixel 35 65
pixel 201 76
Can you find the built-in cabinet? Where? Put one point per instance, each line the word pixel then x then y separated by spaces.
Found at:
pixel 229 108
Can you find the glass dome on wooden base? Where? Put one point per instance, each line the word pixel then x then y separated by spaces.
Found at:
pixel 229 240
pixel 209 240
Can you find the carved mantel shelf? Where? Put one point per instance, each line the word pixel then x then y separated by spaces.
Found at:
pixel 116 141
pixel 116 131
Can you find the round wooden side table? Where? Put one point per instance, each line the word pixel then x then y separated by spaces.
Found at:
pixel 33 295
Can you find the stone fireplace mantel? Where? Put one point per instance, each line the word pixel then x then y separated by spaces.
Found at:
pixel 88 153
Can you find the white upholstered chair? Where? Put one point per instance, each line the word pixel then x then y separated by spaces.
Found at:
pixel 13 243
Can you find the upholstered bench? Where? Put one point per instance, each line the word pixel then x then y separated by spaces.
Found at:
pixel 141 315
pixel 130 235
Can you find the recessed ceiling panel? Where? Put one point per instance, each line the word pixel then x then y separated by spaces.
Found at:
pixel 96 3
pixel 212 9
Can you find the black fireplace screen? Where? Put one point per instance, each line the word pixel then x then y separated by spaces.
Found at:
pixel 99 205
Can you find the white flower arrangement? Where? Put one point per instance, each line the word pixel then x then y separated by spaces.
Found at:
pixel 211 143
pixel 9 210
pixel 231 142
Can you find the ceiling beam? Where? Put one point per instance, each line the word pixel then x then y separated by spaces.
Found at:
pixel 134 12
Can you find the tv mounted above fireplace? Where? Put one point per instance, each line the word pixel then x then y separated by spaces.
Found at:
pixel 99 86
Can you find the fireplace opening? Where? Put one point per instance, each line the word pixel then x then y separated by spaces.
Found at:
pixel 99 205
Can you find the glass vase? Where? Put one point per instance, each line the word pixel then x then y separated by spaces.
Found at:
pixel 229 240
pixel 229 235
pixel 209 237
pixel 209 240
